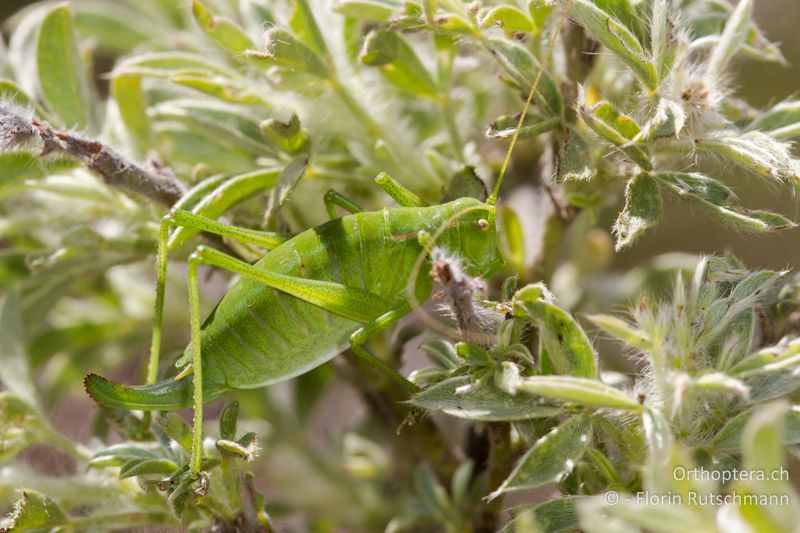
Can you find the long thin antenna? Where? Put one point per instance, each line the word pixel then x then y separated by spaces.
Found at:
pixel 549 52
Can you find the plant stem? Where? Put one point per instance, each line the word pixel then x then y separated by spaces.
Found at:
pixel 116 170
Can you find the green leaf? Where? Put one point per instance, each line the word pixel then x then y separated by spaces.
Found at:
pixel 305 27
pixel 729 438
pixel 19 425
pixel 115 28
pixel 35 511
pixel 582 391
pixel 473 355
pixel 484 403
pixel 398 62
pixel 287 181
pixel 375 10
pixel 733 36
pixel 62 73
pixel 223 31
pixel 465 184
pixel 510 18
pixel 523 68
pixel 137 467
pixel 507 377
pixel 642 210
pixel 575 161
pixel 15 372
pixel 441 352
pixel 608 122
pixel 617 37
pixel 699 185
pixel 533 125
pixel 176 428
pixel 622 330
pixel 228 420
pixel 667 121
pixel 131 101
pixel 559 515
pixel 220 123
pixel 566 343
pixel 781 122
pixel 119 454
pixel 539 10
pixel 762 451
pixel 288 136
pixel 755 151
pixel 285 50
pixel 11 92
pixel 774 377
pixel 225 89
pixel 552 457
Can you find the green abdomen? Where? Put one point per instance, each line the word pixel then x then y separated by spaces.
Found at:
pixel 259 335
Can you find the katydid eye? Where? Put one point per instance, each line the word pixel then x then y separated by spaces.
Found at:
pixel 483 224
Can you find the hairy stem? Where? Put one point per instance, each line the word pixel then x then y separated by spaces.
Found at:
pixel 158 184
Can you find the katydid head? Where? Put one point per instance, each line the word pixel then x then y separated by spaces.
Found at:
pixel 473 236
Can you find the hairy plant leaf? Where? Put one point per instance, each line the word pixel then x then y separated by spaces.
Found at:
pixel 441 352
pixel 574 161
pixel 35 511
pixel 729 438
pixel 288 136
pixel 642 210
pixel 132 104
pixel 222 30
pixel 509 18
pixel 551 457
pixel 762 451
pixel 285 50
pixel 376 10
pixel 306 28
pixel 568 347
pixel 755 151
pixel 287 181
pixel 484 403
pixel 667 121
pixel 622 330
pixel 732 37
pixel 772 378
pixel 559 515
pixel 115 27
pixel 398 62
pixel 533 125
pixel 699 185
pixel 176 428
pixel 62 73
pixel 15 372
pixel 19 425
pixel 582 391
pixel 781 122
pixel 608 122
pixel 523 68
pixel 617 37
pixel 119 454
pixel 136 467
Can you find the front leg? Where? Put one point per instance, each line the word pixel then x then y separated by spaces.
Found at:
pixel 360 337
